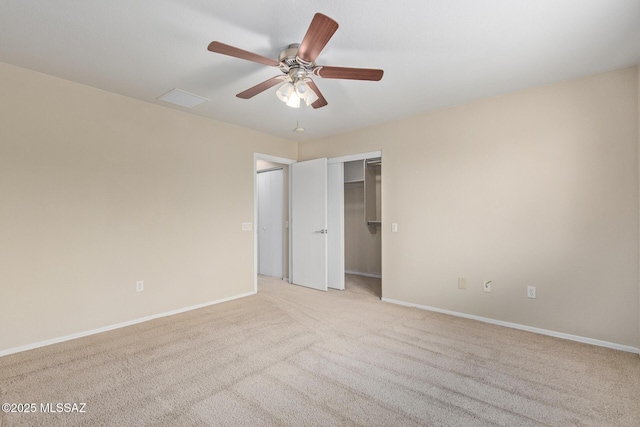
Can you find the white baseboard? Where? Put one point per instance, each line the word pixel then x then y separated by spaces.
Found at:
pixel 521 327
pixel 357 273
pixel 117 326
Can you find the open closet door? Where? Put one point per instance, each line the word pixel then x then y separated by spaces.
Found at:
pixel 309 224
pixel 335 220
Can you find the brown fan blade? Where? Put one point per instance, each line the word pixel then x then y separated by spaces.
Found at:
pixel 348 73
pixel 320 102
pixel 225 49
pixel 318 35
pixel 260 87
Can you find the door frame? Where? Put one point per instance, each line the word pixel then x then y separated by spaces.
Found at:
pixel 288 162
pixel 338 267
pixel 275 159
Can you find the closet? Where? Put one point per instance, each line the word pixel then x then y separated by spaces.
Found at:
pixel 272 218
pixel 362 217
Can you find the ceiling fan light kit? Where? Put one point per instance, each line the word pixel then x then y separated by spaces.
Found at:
pixel 297 63
pixel 292 93
pixel 296 87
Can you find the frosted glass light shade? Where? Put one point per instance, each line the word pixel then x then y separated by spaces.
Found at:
pixel 311 97
pixel 284 92
pixel 294 101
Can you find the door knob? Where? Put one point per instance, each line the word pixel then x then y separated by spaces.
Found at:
pixel 323 231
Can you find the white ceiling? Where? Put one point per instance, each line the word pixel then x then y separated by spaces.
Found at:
pixel 435 53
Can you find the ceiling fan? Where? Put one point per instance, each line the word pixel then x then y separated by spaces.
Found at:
pixel 297 62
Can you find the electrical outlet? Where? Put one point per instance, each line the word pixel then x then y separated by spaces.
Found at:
pixel 139 286
pixel 462 283
pixel 486 286
pixel 531 291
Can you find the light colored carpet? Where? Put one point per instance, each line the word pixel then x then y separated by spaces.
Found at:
pixel 294 356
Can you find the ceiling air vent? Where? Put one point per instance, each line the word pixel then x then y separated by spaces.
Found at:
pixel 182 98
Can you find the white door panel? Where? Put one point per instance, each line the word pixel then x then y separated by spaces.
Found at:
pixel 309 223
pixel 335 215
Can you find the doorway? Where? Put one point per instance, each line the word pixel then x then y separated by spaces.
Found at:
pixel 362 211
pixel 335 219
pixel 355 210
pixel 263 163
pixel 271 224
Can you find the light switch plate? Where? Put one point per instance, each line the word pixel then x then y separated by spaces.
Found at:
pixel 486 286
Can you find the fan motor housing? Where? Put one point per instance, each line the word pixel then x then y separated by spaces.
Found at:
pixel 289 61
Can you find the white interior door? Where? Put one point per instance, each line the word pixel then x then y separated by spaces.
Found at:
pixel 335 219
pixel 309 223
pixel 270 222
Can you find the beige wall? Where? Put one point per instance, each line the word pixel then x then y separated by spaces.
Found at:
pixel 98 190
pixel 533 188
